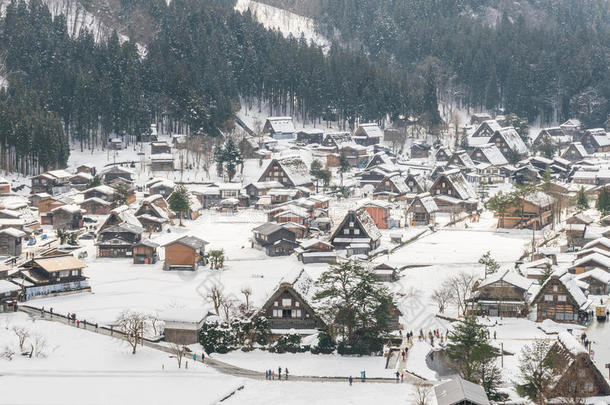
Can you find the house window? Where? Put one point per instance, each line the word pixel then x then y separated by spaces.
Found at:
pixel 297 304
pixel 351 224
pixel 275 304
pixel 346 231
pixel 581 372
pixel 286 302
pixel 555 288
pixel 276 313
pixel 64 273
pixel 548 297
pixel 561 298
pixel 589 386
pixel 356 231
pixel 286 313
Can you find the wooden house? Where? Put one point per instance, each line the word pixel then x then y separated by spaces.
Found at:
pixel 533 211
pixel 552 136
pixel 422 210
pixel 182 326
pixel 442 154
pixel 602 243
pixel 355 154
pixel 163 162
pixel 458 391
pixel 453 193
pixel 11 241
pixel 598 281
pixel 96 206
pixel 391 187
pixel 560 299
pixel 117 172
pixel 505 293
pixel 316 251
pixel 385 273
pixel 357 227
pixel 379 158
pixel 260 188
pixel 54 275
pixel 488 153
pixel 80 181
pixel 590 261
pixel 279 127
pixel 368 134
pixel 486 129
pixel 576 375
pixel 575 152
pixel 68 217
pixel 416 183
pixel 288 306
pixel 119 215
pixel 420 151
pixel 461 160
pixel 291 172
pixel 508 141
pixel 596 140
pixel 479 118
pixel 9 295
pixel 185 253
pixel 309 136
pixel 160 147
pixel 88 168
pixel 163 187
pixel 145 252
pixel 102 192
pixel 118 240
pixel 115 144
pixel 274 239
pixel 152 216
pixel 249 147
pixel 334 141
pixel 571 127
pixel 381 213
pixel 52 182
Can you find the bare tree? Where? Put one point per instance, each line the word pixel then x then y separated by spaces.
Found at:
pixel 421 394
pixel 155 324
pixel 22 336
pixel 133 324
pixel 38 346
pixel 227 307
pixel 442 296
pixel 461 286
pixel 179 351
pixel 247 292
pixel 215 295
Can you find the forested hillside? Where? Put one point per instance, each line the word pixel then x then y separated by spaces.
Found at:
pixel 203 57
pixel 532 57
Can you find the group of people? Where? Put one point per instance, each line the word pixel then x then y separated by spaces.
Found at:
pixel 270 374
pixel 432 335
pixel 585 342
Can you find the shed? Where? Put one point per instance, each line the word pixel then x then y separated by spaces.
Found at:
pixel 458 391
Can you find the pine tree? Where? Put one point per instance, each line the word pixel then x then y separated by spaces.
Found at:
pixel 468 348
pixel 581 200
pixel 179 201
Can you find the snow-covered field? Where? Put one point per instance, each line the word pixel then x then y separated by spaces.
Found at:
pixel 81 367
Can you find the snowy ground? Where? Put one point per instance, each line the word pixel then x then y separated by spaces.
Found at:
pixel 77 362
pixel 306 364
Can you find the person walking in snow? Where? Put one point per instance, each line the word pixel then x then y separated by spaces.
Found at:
pixel 397 377
pixel 279 373
pixel 202 357
pixel 351 380
pixel 286 372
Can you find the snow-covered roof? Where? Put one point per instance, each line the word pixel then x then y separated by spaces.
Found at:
pixel 603 261
pixel 513 140
pixel 459 183
pixel 509 277
pixel 281 125
pixel 603 241
pixel 598 274
pixel 296 170
pixel 103 189
pixel 371 130
pixel 458 390
pixel 8 287
pixel 426 201
pixel 15 233
pixel 71 208
pixel 492 124
pixel 570 343
pixel 539 199
pixel 491 153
